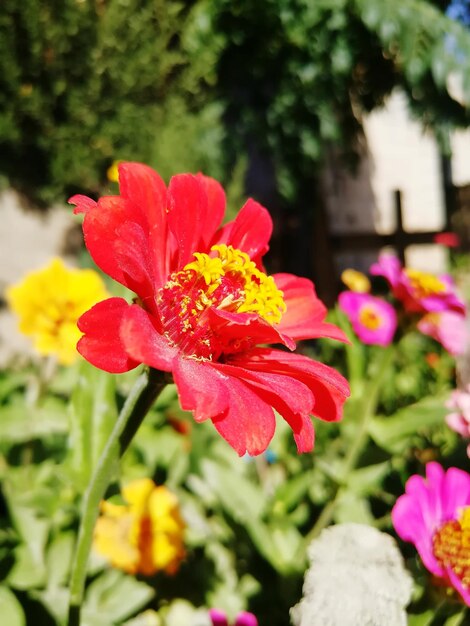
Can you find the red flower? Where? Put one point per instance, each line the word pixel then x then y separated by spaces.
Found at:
pixel 204 307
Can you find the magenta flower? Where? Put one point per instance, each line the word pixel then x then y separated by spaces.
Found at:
pixel 459 419
pixel 219 618
pixel 420 292
pixel 373 320
pixel 449 328
pixel 434 515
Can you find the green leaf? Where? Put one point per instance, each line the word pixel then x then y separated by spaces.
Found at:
pixel 351 508
pixel 394 433
pixel 280 544
pixel 20 423
pixel 10 609
pixel 421 619
pixel 93 414
pixel 114 596
pixel 29 569
pixel 458 619
pixel 242 499
pixel 59 557
pixel 366 480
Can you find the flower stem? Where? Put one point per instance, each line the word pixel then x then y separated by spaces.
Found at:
pixel 146 388
pixel 367 409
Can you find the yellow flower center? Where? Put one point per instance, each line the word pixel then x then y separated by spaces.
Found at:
pixel 451 546
pixel 356 281
pixel 369 317
pixel 226 280
pixel 424 284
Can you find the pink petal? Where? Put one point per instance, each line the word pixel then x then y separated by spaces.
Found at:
pixel 143 342
pixel 101 345
pixel 218 617
pixel 457 584
pixel 448 328
pixel 305 313
pixel 353 304
pixel 246 619
pixel 458 423
pixel 389 267
pixel 455 492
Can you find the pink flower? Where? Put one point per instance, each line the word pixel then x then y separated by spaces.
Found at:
pixel 434 515
pixel 373 320
pixel 459 419
pixel 448 328
pixel 205 308
pixel 420 292
pixel 219 618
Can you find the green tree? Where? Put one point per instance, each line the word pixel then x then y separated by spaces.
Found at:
pixel 298 75
pixel 85 82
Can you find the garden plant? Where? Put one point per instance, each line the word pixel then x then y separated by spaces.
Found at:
pixel 159 461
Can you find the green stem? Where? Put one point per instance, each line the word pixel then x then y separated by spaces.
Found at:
pixel 146 388
pixel 367 409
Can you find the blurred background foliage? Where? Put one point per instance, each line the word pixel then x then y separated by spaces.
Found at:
pixel 255 91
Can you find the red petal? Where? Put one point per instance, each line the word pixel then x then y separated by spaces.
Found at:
pixel 233 326
pixel 119 245
pixel 140 336
pixel 101 344
pixel 250 231
pixel 201 389
pixel 329 388
pixel 238 413
pixel 249 423
pixel 305 313
pixel 187 215
pixel 83 203
pixel 290 397
pixel 216 209
pixel 146 193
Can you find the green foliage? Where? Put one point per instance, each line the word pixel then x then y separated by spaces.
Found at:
pixel 207 84
pixel 316 67
pixel 85 83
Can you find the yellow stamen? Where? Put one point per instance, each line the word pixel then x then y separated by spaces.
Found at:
pixel 424 284
pixel 260 293
pixel 369 318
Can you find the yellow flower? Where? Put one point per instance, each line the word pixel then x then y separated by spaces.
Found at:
pixel 146 534
pixel 356 281
pixel 113 172
pixel 49 302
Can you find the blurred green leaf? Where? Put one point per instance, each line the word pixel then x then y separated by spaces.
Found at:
pixel 11 613
pixel 366 480
pixel 393 433
pixel 113 597
pixel 20 423
pixel 59 557
pixel 93 413
pixel 242 499
pixel 351 508
pixel 421 619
